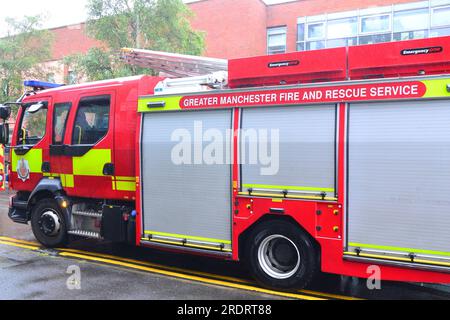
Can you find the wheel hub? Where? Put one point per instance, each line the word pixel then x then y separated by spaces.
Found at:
pixel 49 223
pixel 279 257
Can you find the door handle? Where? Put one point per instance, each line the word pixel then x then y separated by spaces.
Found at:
pixel 45 167
pixel 108 169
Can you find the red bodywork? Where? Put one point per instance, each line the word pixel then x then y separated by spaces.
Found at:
pixel 328 227
pixel 124 118
pixel 400 59
pixel 290 68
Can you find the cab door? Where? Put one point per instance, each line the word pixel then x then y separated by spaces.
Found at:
pixel 59 166
pixel 88 164
pixel 30 144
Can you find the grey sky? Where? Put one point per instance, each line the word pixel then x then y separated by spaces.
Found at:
pixel 57 12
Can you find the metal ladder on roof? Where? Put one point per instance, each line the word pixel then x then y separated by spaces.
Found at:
pixel 185 73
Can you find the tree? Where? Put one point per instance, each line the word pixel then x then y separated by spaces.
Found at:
pixel 162 25
pixel 21 53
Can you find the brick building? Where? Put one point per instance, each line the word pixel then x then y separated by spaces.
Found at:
pixel 239 28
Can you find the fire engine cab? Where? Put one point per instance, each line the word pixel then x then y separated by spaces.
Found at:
pixel 330 160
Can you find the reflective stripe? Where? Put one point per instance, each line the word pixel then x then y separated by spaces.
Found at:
pixel 126 178
pixel 125 186
pixel 53 175
pixel 409 250
pixel 92 163
pixel 264 186
pixel 171 103
pixel 436 88
pixel 34 158
pixel 67 180
pixel 274 195
pixel 188 245
pixel 386 257
pixel 180 236
pixel 124 183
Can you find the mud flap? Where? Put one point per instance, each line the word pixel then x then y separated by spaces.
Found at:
pixel 114 224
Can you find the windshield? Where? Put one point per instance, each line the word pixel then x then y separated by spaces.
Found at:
pixel 33 124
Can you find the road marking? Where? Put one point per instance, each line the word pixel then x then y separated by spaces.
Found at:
pixel 204 274
pixel 23 246
pixel 190 277
pixel 162 268
pixel 31 243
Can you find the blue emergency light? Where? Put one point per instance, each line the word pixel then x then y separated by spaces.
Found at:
pixel 41 85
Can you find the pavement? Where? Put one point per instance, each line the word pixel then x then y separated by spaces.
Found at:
pixel 98 270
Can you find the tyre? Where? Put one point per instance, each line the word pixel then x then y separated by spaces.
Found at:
pixel 48 224
pixel 281 256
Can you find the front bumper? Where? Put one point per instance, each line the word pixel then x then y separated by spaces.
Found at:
pixel 18 211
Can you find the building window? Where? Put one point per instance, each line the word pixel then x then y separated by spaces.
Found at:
pixel 342 28
pixel 51 77
pixel 375 38
pixel 411 24
pixel 376 24
pixel 300 36
pixel 276 40
pixel 316 31
pixel 413 20
pixel 72 77
pixel 441 17
pixel 342 32
pixel 316 36
pixel 440 22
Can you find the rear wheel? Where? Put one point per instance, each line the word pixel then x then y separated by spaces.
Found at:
pixel 281 256
pixel 48 223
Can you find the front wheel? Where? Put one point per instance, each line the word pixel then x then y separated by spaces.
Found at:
pixel 281 256
pixel 48 223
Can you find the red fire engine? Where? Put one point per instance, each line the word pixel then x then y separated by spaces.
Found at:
pixel 329 160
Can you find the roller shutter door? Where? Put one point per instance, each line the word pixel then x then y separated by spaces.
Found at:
pixel 186 201
pixel 307 149
pixel 399 178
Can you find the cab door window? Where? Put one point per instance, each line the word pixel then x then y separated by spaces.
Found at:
pixel 33 123
pixel 60 116
pixel 92 120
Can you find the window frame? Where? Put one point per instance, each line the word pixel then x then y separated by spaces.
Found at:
pixel 360 23
pixel 340 19
pixel 434 26
pixel 24 108
pixel 389 33
pixel 410 10
pixel 91 97
pixel 64 131
pixel 268 34
pixel 314 39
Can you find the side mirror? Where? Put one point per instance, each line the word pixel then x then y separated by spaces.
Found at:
pixel 4 133
pixel 5 112
pixel 35 107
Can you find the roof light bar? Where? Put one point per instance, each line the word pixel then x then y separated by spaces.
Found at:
pixel 41 85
